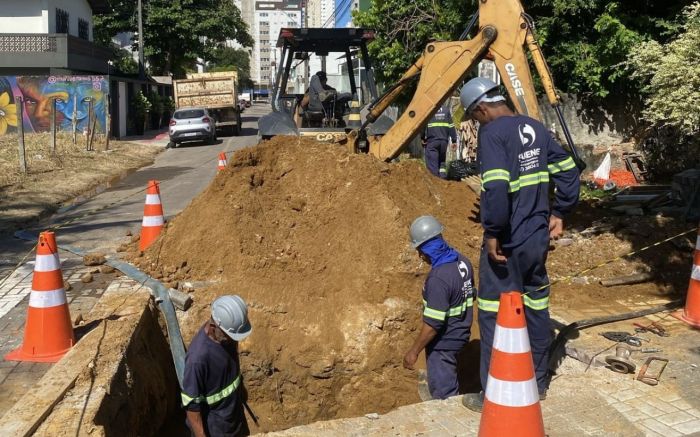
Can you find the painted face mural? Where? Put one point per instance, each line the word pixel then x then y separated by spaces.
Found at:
pixel 72 95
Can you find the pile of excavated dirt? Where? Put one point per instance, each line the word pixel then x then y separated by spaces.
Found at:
pixel 316 241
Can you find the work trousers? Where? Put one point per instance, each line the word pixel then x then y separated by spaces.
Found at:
pixel 524 272
pixel 435 157
pixel 442 373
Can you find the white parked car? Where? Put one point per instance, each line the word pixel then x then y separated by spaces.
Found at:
pixel 192 124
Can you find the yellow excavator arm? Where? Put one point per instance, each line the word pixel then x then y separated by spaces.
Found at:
pixel 505 32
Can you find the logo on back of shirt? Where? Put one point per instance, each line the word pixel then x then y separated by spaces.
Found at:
pixel 527 135
pixel 467 289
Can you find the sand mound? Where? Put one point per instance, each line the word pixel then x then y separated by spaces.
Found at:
pixel 316 240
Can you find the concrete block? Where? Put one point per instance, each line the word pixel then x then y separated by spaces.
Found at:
pixel 681 404
pixel 626 395
pixel 660 428
pixel 691 427
pixel 650 410
pixel 661 405
pixel 676 418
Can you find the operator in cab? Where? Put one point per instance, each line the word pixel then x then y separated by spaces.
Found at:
pixel 448 296
pixel 518 158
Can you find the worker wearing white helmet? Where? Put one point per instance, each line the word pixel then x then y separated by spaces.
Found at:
pixel 518 159
pixel 448 296
pixel 212 384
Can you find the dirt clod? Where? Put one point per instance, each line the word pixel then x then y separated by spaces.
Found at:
pixel 94 259
pixel 107 269
pixel 86 278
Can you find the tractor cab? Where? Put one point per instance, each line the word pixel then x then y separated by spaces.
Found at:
pixel 323 80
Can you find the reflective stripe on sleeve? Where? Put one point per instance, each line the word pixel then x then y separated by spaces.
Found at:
pixel 47 263
pixel 564 165
pixel 47 299
pixel 487 305
pixel 213 398
pixel 497 174
pixel 187 399
pixel 529 179
pixel 441 124
pixel 434 314
pixel 451 312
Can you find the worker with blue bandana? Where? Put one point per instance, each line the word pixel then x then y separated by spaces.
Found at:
pixel 448 297
pixel 517 158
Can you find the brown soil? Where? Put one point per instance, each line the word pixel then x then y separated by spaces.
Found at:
pixel 316 241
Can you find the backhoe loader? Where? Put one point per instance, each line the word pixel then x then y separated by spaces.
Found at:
pixel 504 34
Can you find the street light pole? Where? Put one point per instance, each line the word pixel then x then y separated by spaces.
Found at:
pixel 142 69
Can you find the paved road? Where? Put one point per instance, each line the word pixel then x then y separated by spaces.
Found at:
pixel 183 172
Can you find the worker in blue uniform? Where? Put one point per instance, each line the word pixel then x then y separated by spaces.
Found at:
pixel 518 158
pixel 436 137
pixel 212 383
pixel 448 297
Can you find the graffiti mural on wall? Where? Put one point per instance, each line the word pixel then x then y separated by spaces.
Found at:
pixel 72 94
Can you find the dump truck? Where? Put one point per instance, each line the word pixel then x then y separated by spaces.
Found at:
pixel 215 92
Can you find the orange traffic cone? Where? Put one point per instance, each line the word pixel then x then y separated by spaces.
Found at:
pixel 691 313
pixel 48 332
pixel 511 401
pixel 152 216
pixel 222 161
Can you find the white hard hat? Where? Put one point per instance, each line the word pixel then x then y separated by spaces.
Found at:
pixel 230 313
pixel 474 90
pixel 423 229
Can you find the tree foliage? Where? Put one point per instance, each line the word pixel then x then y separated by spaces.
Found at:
pixel 176 32
pixel 405 27
pixel 228 58
pixel 586 42
pixel 670 76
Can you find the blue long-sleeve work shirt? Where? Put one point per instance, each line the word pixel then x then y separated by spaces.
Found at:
pixel 518 157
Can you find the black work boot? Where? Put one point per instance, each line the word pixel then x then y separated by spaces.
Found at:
pixel 474 401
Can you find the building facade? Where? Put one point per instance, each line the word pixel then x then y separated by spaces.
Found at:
pixel 269 18
pixel 50 37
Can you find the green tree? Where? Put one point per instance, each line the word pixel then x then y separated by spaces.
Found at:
pixel 586 42
pixel 405 27
pixel 228 58
pixel 669 74
pixel 176 32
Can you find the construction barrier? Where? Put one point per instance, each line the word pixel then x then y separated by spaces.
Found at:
pixel 153 219
pixel 222 161
pixel 511 401
pixel 691 312
pixel 48 332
